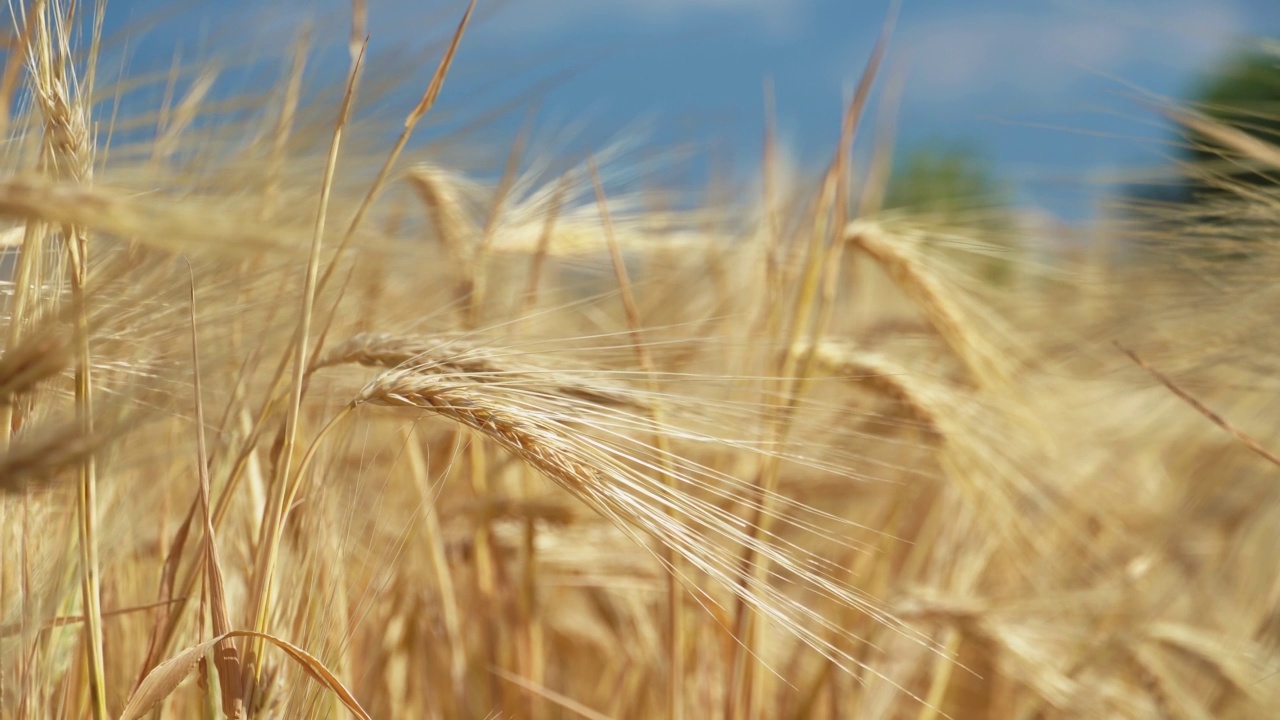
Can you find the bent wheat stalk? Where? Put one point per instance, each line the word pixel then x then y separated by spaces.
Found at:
pixel 67 156
pixel 642 491
pixel 948 412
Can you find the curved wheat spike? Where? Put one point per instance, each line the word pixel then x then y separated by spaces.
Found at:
pixel 36 357
pixel 627 483
pixel 574 396
pixel 984 363
pixel 925 401
pixel 979 462
pixel 442 354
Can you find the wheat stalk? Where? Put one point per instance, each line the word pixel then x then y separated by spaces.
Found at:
pixel 981 462
pixel 67 155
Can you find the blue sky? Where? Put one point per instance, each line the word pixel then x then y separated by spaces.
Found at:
pixel 1045 88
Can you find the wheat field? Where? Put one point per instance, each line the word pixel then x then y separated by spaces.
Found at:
pixel 301 422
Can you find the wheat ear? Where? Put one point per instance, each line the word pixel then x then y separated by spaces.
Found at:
pixel 645 500
pixel 984 362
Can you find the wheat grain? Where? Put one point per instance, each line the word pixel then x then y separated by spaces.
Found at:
pixel 457 356
pixel 886 377
pixel 41 456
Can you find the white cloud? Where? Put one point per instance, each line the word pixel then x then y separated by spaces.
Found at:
pixel 1040 53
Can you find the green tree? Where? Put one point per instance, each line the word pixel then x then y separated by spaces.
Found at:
pixel 1244 92
pixel 954 184
pixel 944 179
pixel 1200 203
